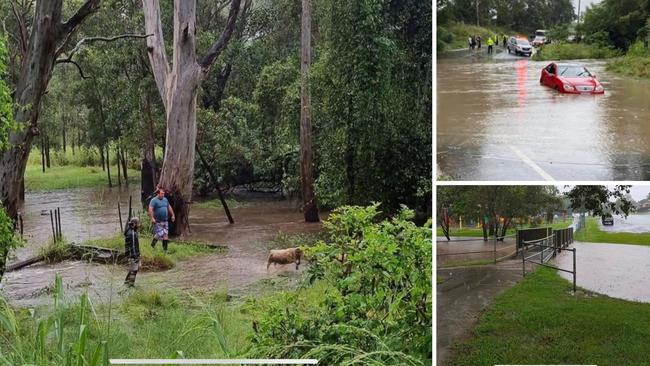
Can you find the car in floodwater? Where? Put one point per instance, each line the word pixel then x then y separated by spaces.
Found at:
pixel 607 219
pixel 570 78
pixel 519 46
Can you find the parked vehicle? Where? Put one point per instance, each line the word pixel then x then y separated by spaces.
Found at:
pixel 540 37
pixel 519 46
pixel 607 219
pixel 571 79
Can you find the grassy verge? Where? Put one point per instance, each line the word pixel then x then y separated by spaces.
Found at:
pixel 572 51
pixel 154 258
pixel 539 322
pixel 635 63
pixel 466 263
pixel 474 232
pixel 69 176
pixel 593 234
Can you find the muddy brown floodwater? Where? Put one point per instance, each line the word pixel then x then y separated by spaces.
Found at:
pixel 616 270
pixel 496 122
pixel 93 214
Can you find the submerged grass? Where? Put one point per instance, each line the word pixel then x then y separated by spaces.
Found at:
pixel 70 177
pixel 539 321
pixel 216 203
pixel 592 234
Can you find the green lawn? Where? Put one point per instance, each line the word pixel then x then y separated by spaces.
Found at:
pixel 593 234
pixel 473 232
pixel 70 176
pixel 539 322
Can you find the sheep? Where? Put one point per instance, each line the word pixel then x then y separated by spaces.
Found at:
pixel 285 256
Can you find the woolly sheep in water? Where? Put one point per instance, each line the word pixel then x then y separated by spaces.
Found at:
pixel 285 256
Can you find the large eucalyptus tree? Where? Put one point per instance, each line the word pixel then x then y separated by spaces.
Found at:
pixel 178 84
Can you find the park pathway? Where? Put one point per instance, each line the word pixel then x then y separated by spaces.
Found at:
pixel 463 296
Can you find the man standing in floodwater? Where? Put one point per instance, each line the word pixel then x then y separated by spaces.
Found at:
pixel 159 207
pixel 489 43
pixel 132 250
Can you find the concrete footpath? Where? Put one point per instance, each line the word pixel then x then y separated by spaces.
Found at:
pixel 464 295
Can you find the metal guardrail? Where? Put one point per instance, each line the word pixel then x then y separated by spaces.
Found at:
pixel 559 241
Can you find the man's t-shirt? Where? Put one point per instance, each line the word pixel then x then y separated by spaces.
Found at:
pixel 159 207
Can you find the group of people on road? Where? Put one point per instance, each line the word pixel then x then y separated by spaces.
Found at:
pixel 160 211
pixel 474 42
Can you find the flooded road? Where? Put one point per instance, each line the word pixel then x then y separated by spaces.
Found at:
pixel 93 214
pixel 632 224
pixel 616 270
pixel 496 122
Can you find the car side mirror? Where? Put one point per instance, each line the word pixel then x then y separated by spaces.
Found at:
pixel 593 76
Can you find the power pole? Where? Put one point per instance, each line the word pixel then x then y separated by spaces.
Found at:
pixel 578 12
pixel 477 22
pixel 310 209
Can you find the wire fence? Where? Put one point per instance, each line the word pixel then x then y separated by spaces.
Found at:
pixel 468 251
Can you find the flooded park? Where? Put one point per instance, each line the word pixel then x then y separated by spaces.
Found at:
pixel 88 214
pixel 495 121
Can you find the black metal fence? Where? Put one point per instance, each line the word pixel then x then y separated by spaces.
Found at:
pixel 540 251
pixel 493 252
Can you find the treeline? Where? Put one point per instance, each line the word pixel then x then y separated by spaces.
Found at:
pixel 616 23
pixel 370 83
pixel 521 15
pixel 489 203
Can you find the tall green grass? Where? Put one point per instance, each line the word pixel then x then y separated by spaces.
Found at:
pixel 573 51
pixel 70 176
pixel 149 323
pixel 635 63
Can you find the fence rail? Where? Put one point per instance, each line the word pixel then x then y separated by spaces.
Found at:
pixel 494 239
pixel 559 240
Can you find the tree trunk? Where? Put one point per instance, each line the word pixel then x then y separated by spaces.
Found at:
pixel 101 158
pixel 117 160
pixel 47 34
pixel 125 174
pixel 310 208
pixel 148 168
pixel 63 133
pixel 43 153
pixel 108 166
pixel 178 88
pixel 47 151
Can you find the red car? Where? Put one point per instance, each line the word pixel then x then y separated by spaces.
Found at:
pixel 570 78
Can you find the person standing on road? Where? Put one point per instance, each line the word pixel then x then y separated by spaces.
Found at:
pixel 159 211
pixel 504 41
pixel 473 42
pixel 469 42
pixel 478 42
pixel 132 250
pixel 489 43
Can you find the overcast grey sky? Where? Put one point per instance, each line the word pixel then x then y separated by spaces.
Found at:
pixel 637 192
pixel 583 4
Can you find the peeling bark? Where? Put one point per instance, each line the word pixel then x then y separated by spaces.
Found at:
pixel 178 87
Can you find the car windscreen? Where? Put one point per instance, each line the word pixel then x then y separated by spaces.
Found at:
pixel 523 42
pixel 573 71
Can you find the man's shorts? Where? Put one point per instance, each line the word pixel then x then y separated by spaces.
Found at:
pixel 160 230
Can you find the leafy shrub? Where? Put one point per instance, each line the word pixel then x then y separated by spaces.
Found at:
pixel 8 239
pixel 371 295
pixel 569 51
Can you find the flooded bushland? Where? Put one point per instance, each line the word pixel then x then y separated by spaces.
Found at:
pixel 91 214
